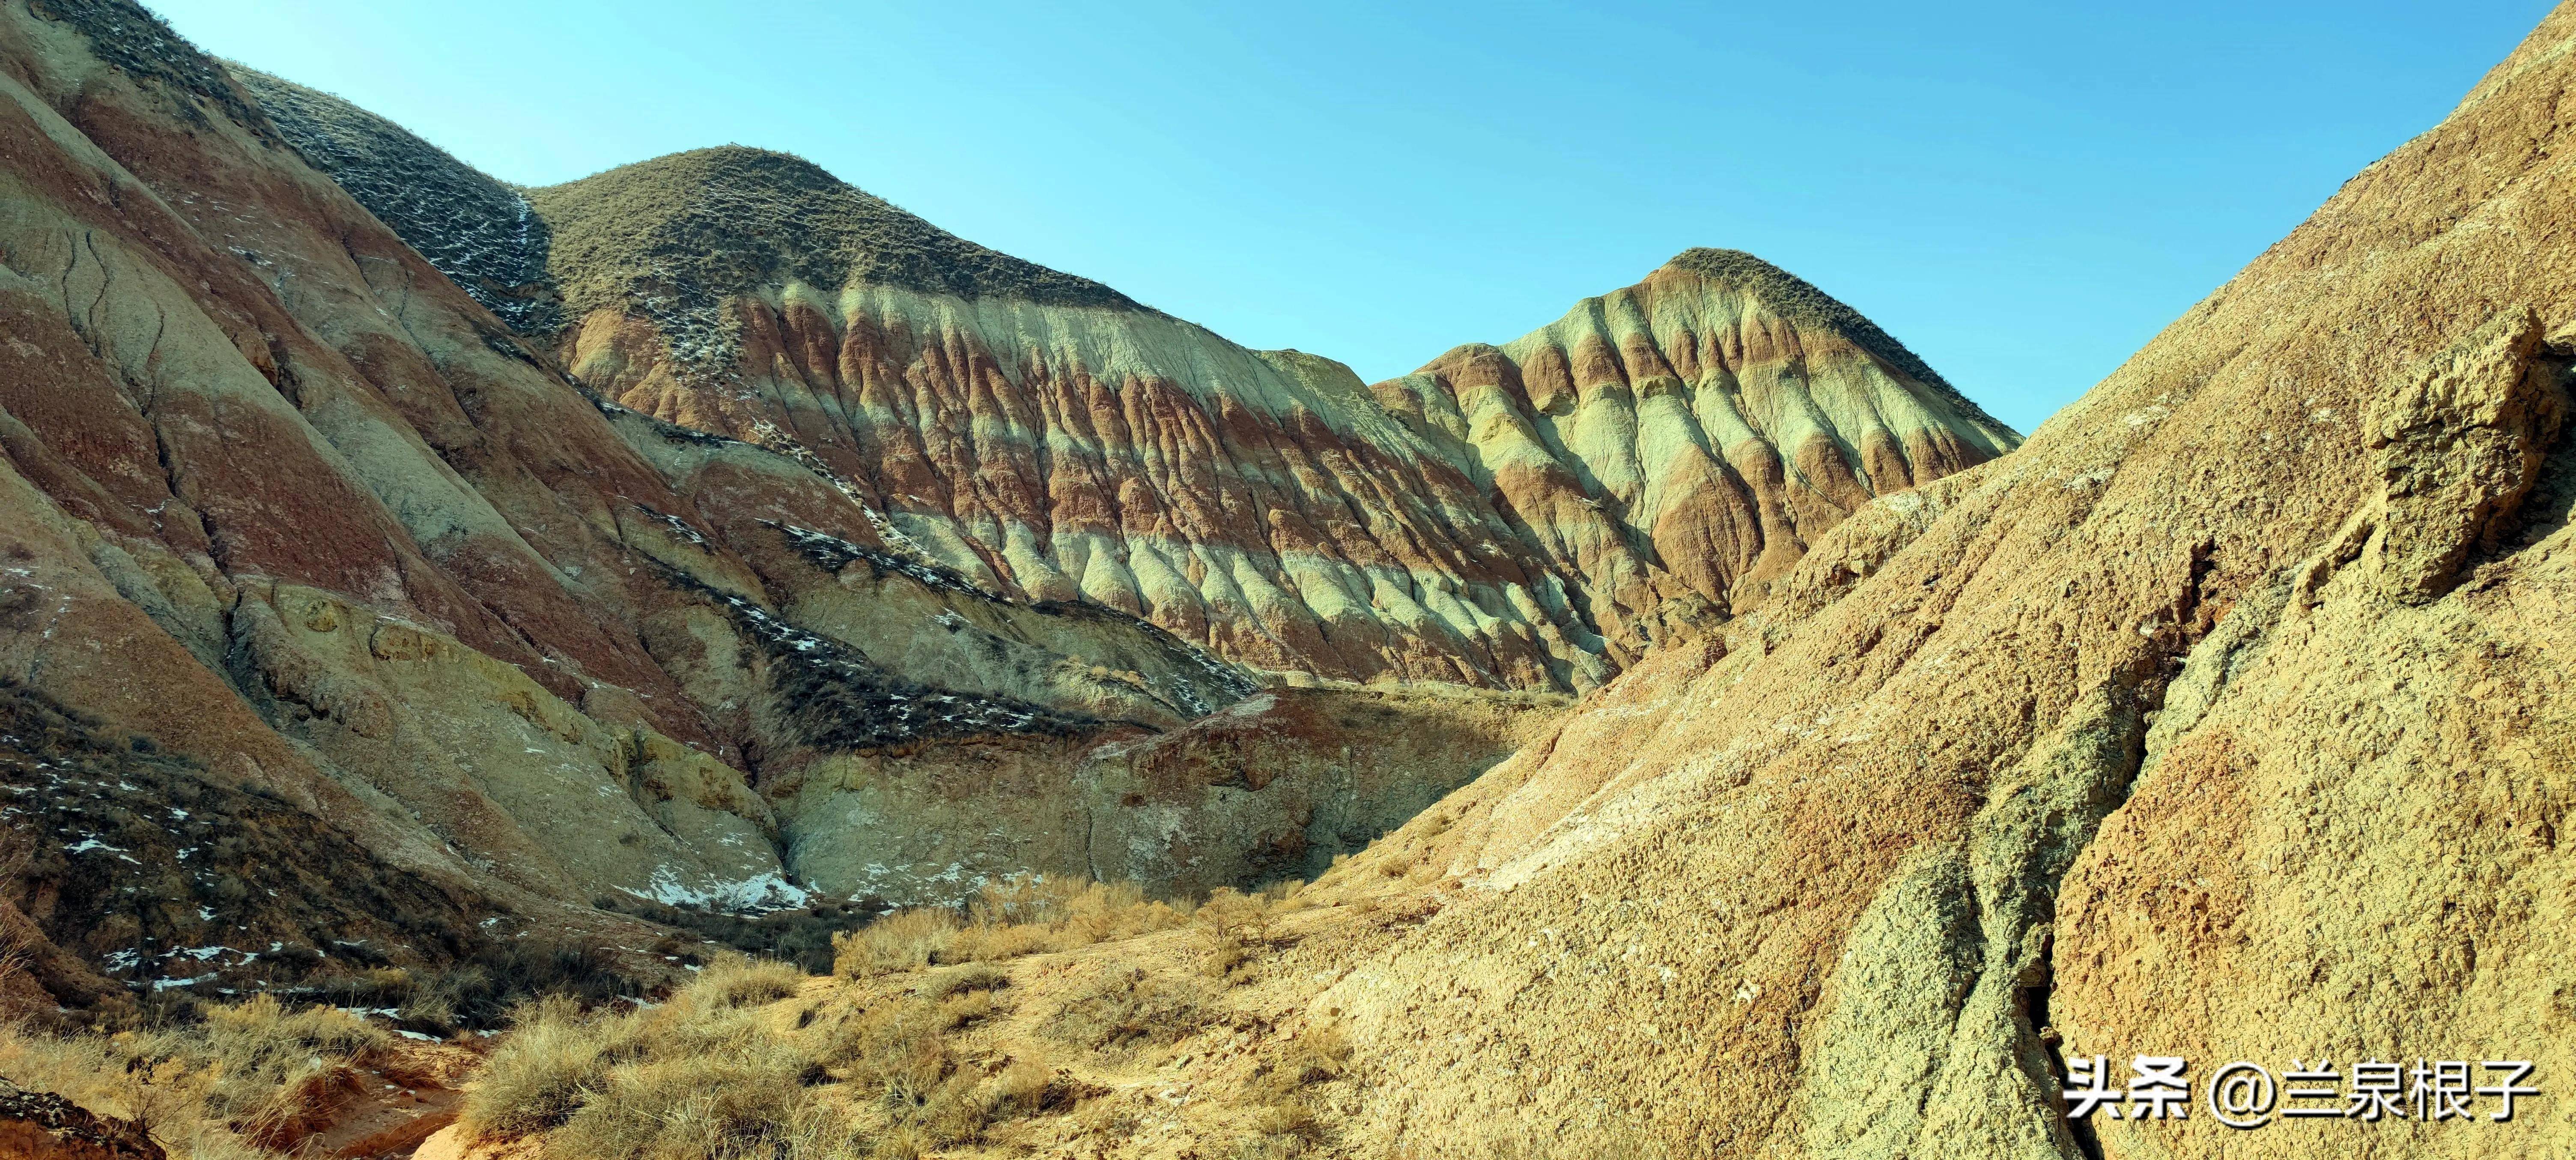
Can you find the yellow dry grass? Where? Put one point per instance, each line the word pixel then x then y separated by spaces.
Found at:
pixel 1004 921
pixel 247 1075
pixel 1024 1022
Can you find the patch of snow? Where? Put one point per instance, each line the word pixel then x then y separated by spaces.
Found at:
pixel 760 893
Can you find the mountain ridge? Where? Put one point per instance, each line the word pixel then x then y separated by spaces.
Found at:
pixel 754 295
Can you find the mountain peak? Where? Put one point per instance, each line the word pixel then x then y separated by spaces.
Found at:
pixel 1799 301
pixel 731 218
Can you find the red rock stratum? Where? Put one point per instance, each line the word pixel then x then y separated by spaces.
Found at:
pixel 1519 517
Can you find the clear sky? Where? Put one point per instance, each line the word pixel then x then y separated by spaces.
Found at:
pixel 2022 192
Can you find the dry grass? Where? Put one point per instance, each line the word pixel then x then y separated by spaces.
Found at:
pixel 728 1069
pixel 247 1079
pixel 975 977
pixel 1232 929
pixel 753 1060
pixel 1612 1141
pixel 1121 1011
pixel 1004 921
pixel 1283 1121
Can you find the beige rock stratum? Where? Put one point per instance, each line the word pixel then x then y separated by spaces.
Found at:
pixel 1530 516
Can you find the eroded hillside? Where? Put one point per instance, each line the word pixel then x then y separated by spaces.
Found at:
pixel 2227 719
pixel 285 502
pixel 1671 448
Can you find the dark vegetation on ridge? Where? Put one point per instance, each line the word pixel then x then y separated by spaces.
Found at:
pixel 133 39
pixel 674 235
pixel 693 227
pixel 1798 300
pixel 477 231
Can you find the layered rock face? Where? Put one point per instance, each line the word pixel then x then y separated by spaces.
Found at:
pixel 1686 438
pixel 2228 719
pixel 1045 435
pixel 1523 517
pixel 286 507
pixel 1050 437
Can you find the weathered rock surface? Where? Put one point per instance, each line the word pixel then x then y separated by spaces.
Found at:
pixel 1272 788
pixel 368 577
pixel 281 499
pixel 1689 436
pixel 1516 516
pixel 2229 718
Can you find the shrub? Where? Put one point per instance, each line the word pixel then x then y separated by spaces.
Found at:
pixel 244 1079
pixel 906 940
pixel 739 981
pixel 1123 1010
pixel 1023 1088
pixel 1004 920
pixel 736 1101
pixel 544 1069
pixel 978 977
pixel 1232 929
pixel 706 1075
pixel 894 1051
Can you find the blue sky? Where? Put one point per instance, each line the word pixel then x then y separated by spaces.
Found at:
pixel 2024 193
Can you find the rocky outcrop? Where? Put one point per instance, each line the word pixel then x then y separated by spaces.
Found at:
pixel 1044 436
pixel 1271 789
pixel 1054 439
pixel 2228 719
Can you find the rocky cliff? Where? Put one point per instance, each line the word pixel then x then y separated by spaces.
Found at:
pixel 1050 437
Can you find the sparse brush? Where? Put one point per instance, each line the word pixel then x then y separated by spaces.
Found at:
pixel 1004 920
pixel 1245 916
pixel 1282 896
pixel 1294 1120
pixel 1233 928
pixel 904 1143
pixel 1123 1010
pixel 1106 1116
pixel 1022 1088
pixel 738 1101
pixel 274 1067
pixel 906 940
pixel 545 1068
pixel 894 1050
pixel 955 1113
pixel 1320 1055
pixel 244 1080
pixel 967 1008
pixel 977 977
pixel 734 980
